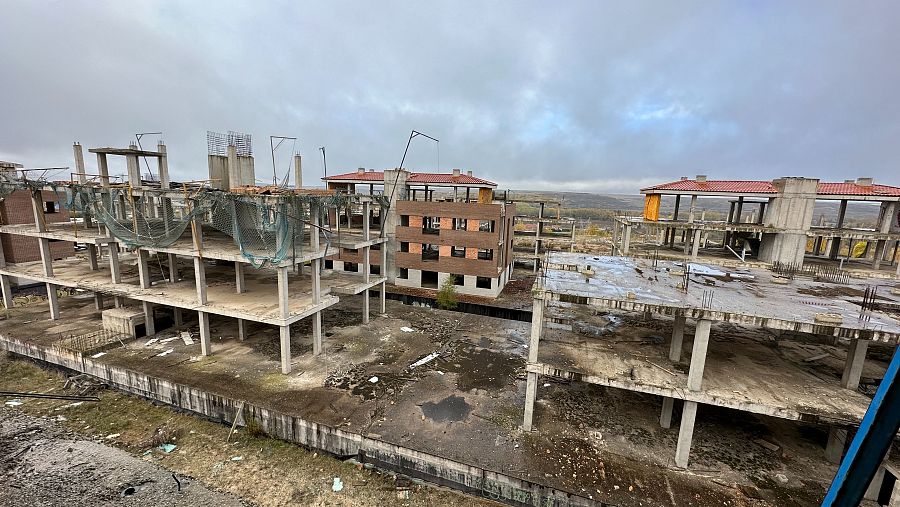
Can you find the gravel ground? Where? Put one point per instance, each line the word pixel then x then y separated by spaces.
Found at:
pixel 43 464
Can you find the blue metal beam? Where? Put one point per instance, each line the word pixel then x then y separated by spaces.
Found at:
pixel 870 444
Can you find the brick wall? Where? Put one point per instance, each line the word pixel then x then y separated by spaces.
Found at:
pixel 17 209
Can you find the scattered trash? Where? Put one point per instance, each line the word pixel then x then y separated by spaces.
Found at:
pixel 112 436
pixel 151 342
pixel 768 445
pixel 167 340
pixel 337 485
pixel 186 338
pixel 237 458
pixel 373 379
pixel 13 403
pixel 167 448
pixel 71 405
pixel 194 359
pixel 439 372
pixel 546 385
pixel 426 359
pixel 781 478
pixel 98 354
pixel 165 352
pixel 407 329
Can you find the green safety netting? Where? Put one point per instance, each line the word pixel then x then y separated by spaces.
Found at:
pixel 265 228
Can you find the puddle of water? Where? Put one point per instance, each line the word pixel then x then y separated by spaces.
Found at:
pixel 451 409
pixel 479 368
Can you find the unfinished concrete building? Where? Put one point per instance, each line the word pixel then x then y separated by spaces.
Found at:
pixel 161 252
pixel 535 236
pixel 771 222
pixel 461 232
pixel 577 298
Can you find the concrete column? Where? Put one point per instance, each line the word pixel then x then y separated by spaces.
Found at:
pixel 37 205
pixel 298 171
pixel 118 301
pixel 530 396
pixel 92 257
pixel 856 358
pixel 698 355
pixel 383 284
pixel 53 300
pixel 537 328
pixel 317 334
pixel 837 442
pixel 103 169
pixel 98 301
pixel 179 318
pixel 685 433
pixel 46 259
pixel 677 338
pixel 365 224
pixel 695 249
pixel 677 206
pixel 200 279
pixel 285 349
pixel 875 484
pixel 242 329
pixel 162 166
pixel 880 247
pixel 693 207
pixel 627 240
pixel 365 316
pixel 240 285
pixel 894 501
pixel 665 418
pixel 114 268
pixel 6 287
pixel 234 168
pixel 173 268
pixel 79 163
pixel 283 305
pixel 203 317
pixel 615 237
pixel 149 324
pixel 143 268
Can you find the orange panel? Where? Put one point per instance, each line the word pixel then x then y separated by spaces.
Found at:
pixel 444 250
pixel 415 221
pixel 485 195
pixel 415 248
pixel 651 207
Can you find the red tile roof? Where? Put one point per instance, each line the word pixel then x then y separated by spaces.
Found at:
pixel 766 187
pixel 414 178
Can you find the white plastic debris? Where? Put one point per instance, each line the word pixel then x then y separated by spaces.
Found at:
pixel 337 485
pixel 112 436
pixel 186 338
pixel 407 329
pixel 546 385
pixel 165 352
pixel 426 359
pixel 237 458
pixel 13 403
pixel 167 340
pixel 373 380
pixel 151 341
pixel 98 354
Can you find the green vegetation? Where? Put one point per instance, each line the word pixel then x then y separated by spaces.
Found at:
pixel 446 297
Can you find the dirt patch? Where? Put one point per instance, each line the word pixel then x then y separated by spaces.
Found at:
pixel 451 409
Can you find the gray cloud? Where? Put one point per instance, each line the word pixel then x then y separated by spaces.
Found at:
pixel 582 96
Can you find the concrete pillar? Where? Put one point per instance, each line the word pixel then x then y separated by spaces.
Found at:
pixel 98 301
pixel 103 169
pixel 537 327
pixel 698 355
pixel 173 268
pixel 677 206
pixel 240 285
pixel 143 269
pixel 179 318
pixel 114 268
pixel 530 395
pixel 880 247
pixel 383 297
pixel 285 349
pixel 53 300
pixel 79 163
pixel 874 488
pixel 693 207
pixel 695 249
pixel 677 338
pixel 92 257
pixel 853 366
pixel 205 349
pixel 365 316
pixel 234 168
pixel 685 433
pixel 283 304
pixel 46 259
pixel 837 442
pixel 317 334
pixel 6 287
pixel 298 171
pixel 242 329
pixel 118 301
pixel 200 279
pixel 134 169
pixel 615 237
pixel 627 240
pixel 894 501
pixel 162 166
pixel 365 224
pixel 149 324
pixel 37 206
pixel 665 417
pixel 395 191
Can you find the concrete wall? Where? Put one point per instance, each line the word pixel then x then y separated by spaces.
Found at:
pixel 791 211
pixel 218 172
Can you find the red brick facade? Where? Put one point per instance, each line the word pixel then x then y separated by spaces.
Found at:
pixel 17 209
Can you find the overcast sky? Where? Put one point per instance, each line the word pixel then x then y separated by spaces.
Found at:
pixel 594 96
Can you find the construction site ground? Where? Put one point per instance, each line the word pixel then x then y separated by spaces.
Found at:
pixel 466 404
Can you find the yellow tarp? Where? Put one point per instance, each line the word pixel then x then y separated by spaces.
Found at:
pixel 651 206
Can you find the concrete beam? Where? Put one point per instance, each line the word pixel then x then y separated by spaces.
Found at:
pixel 200 278
pixel 677 338
pixel 685 434
pixel 698 354
pixel 530 396
pixel 203 317
pixel 853 366
pixel 285 349
pixel 53 300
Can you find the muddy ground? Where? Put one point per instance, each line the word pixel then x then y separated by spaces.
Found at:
pixel 62 453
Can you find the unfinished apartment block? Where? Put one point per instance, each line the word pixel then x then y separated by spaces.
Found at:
pixel 536 235
pixel 728 339
pixel 168 251
pixel 771 222
pixel 461 231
